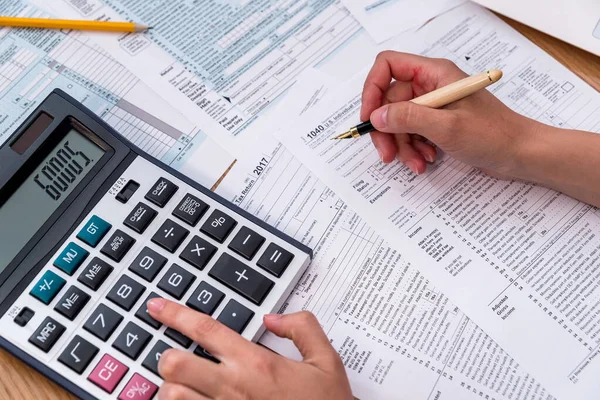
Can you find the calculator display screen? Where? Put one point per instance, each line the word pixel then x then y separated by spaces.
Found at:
pixel 51 182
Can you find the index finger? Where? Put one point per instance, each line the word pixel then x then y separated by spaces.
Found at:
pixel 215 337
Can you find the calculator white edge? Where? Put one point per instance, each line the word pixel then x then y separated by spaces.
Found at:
pixel 15 338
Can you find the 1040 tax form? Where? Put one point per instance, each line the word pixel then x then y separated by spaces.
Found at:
pixel 519 259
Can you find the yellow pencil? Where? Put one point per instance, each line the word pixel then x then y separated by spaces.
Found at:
pixel 47 23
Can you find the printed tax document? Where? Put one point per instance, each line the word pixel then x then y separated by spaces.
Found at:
pixel 34 62
pixel 398 335
pixel 521 260
pixel 385 19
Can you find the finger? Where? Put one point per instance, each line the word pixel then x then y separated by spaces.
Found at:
pixel 428 151
pixel 408 155
pixel 188 369
pixel 385 145
pixel 215 337
pixel 304 330
pixel 398 91
pixel 173 391
pixel 405 116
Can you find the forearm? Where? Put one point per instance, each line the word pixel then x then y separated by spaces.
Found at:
pixel 564 160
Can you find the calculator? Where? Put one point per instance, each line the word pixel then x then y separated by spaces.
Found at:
pixel 92 228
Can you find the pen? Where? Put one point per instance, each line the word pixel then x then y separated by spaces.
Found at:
pixel 47 23
pixel 438 98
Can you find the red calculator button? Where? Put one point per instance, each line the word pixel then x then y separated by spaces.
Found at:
pixel 138 388
pixel 108 373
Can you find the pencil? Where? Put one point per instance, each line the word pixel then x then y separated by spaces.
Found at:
pixel 47 23
pixel 438 98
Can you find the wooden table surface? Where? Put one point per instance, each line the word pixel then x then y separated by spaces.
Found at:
pixel 18 381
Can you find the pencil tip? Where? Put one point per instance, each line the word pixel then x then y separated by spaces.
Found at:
pixel 141 27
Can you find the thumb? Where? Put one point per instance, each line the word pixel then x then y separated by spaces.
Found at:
pixel 304 330
pixel 408 117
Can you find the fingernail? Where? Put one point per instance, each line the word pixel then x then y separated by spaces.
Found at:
pixel 272 317
pixel 379 118
pixel 413 167
pixel 155 305
pixel 429 158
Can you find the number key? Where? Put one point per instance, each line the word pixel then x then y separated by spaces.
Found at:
pixel 125 293
pixel 176 281
pixel 148 264
pixel 142 312
pixel 151 360
pixel 103 322
pixel 132 341
pixel 205 299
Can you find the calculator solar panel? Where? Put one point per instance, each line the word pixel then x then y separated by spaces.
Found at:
pixel 111 238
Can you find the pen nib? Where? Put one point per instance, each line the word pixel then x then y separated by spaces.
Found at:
pixel 344 135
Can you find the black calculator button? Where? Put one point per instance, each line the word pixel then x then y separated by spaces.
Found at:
pixel 170 235
pixel 140 217
pixel 151 360
pixel 72 303
pixel 24 316
pixel 198 252
pixel 241 278
pixel 218 226
pixel 148 264
pixel 142 312
pixel 95 273
pixel 103 322
pixel 128 190
pixel 46 335
pixel 201 352
pixel 176 281
pixel 205 299
pixel 235 316
pixel 190 209
pixel 275 260
pixel 117 246
pixel 246 242
pixel 178 338
pixel 125 293
pixel 132 340
pixel 161 192
pixel 78 354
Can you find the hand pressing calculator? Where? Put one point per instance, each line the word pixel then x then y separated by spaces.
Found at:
pixel 92 228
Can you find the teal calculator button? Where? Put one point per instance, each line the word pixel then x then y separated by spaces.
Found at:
pixel 71 258
pixel 47 287
pixel 93 232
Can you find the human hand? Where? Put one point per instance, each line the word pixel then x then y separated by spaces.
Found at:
pixel 247 370
pixel 478 130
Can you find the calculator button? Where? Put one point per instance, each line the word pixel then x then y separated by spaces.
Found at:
pixel 151 360
pixel 117 246
pixel 275 260
pixel 78 354
pixel 161 192
pixel 176 281
pixel 178 338
pixel 128 190
pixel 138 388
pixel 47 334
pixel 170 235
pixel 103 322
pixel 71 258
pixel 190 209
pixel 95 273
pixel 240 278
pixel 93 232
pixel 140 217
pixel 148 264
pixel 108 373
pixel 72 303
pixel 218 226
pixel 132 340
pixel 24 316
pixel 198 252
pixel 235 316
pixel 47 287
pixel 201 352
pixel 142 312
pixel 205 299
pixel 125 293
pixel 246 243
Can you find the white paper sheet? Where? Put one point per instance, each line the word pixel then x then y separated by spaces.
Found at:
pixel 519 259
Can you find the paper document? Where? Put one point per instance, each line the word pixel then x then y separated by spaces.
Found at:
pixel 520 260
pixel 34 62
pixel 399 337
pixel 385 19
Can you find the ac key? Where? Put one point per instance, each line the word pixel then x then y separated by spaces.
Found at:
pixel 198 252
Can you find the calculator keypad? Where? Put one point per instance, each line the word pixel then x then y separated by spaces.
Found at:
pixel 145 239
